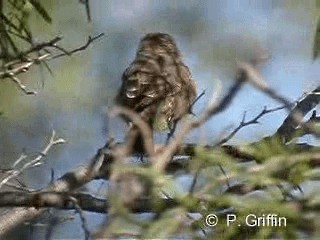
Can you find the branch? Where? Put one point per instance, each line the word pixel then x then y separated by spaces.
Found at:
pixel 39 46
pixel 68 182
pixel 245 123
pixel 22 66
pixel 22 87
pixel 33 163
pixel 99 167
pixel 87 6
pixel 304 105
pixel 81 48
pixel 21 62
pixel 79 210
pixel 72 201
pixel 296 116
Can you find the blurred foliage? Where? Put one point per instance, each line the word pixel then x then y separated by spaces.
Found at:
pixel 227 188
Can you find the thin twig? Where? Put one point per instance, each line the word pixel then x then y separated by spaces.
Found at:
pixel 21 86
pixel 83 47
pixel 87 6
pixel 296 116
pixel 39 46
pixel 245 123
pixel 68 182
pixel 35 162
pixel 83 219
pixel 173 129
pixel 21 62
pixel 194 180
pixel 23 67
pixel 20 188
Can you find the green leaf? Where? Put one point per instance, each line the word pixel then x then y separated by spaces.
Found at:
pixel 41 10
pixel 316 46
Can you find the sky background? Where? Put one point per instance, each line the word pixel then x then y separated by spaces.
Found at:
pixel 212 35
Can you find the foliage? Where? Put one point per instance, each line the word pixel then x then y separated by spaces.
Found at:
pixel 227 188
pixel 14 27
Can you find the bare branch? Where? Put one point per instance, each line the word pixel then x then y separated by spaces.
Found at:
pixel 304 105
pixel 21 158
pixel 87 6
pixel 21 62
pixel 254 78
pixel 81 48
pixel 40 46
pixel 33 163
pixel 22 67
pixel 245 123
pixel 20 187
pixel 296 116
pixel 23 88
pixel 68 182
pixel 82 218
pixel 71 201
pixel 61 200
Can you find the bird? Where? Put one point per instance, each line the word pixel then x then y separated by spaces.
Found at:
pixel 157 85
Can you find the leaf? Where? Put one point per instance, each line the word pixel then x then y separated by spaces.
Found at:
pixel 41 10
pixel 316 46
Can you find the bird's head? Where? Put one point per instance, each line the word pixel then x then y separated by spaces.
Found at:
pixel 159 42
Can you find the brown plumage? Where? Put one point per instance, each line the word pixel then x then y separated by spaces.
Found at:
pixel 157 85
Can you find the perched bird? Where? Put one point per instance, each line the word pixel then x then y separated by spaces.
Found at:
pixel 157 85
